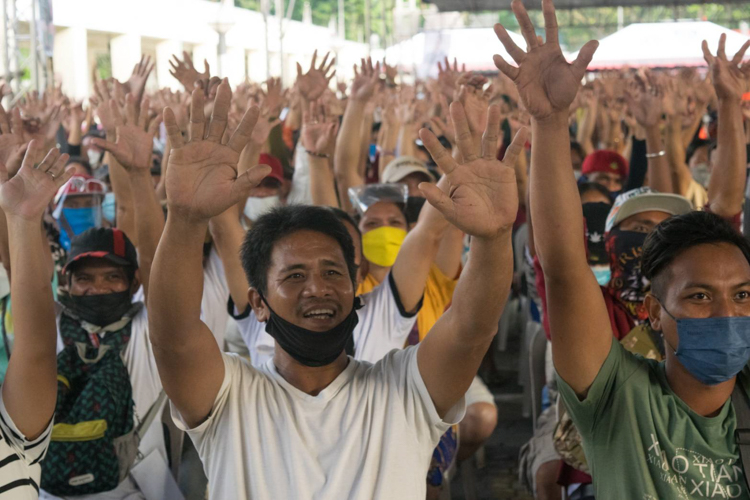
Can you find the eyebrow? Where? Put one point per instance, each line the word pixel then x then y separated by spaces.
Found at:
pixel 711 287
pixel 293 267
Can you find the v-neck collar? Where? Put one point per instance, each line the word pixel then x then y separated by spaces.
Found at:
pixel 323 396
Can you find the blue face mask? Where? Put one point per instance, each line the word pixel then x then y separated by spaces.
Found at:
pixel 602 274
pixel 373 152
pixel 108 207
pixel 76 220
pixel 713 350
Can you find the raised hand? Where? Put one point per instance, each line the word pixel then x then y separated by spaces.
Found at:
pixel 318 134
pixel 645 100
pixel 482 197
pixel 28 193
pixel 272 97
pixel 546 83
pixel 202 179
pixel 731 78
pixel 365 81
pixel 136 84
pixel 312 84
pixel 135 134
pixel 185 72
pixel 11 133
pixel 448 77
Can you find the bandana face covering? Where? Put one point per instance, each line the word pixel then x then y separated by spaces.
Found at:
pixel 713 350
pixel 596 219
pixel 627 283
pixel 100 310
pixel 309 347
pixel 380 246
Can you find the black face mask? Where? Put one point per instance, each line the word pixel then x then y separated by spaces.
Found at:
pixel 100 310
pixel 414 205
pixel 596 218
pixel 625 249
pixel 309 347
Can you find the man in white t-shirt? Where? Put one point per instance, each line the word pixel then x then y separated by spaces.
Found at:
pixel 312 422
pixel 27 399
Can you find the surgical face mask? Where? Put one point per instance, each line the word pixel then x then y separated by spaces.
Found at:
pixel 100 310
pixel 257 207
pixel 380 246
pixel 596 219
pixel 373 152
pixel 627 283
pixel 702 174
pixel 713 350
pixel 109 208
pixel 309 347
pixel 602 273
pixel 94 157
pixel 74 221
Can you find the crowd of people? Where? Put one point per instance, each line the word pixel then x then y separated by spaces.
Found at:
pixel 305 281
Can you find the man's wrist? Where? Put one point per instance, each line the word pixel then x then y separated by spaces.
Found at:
pixel 554 120
pixel 18 222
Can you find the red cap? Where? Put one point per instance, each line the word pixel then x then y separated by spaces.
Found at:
pixel 605 161
pixel 277 170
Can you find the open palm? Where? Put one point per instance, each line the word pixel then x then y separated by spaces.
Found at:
pixel 482 198
pixel 546 82
pixel 202 179
pixel 731 78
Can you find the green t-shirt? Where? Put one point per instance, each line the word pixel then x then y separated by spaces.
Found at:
pixel 642 442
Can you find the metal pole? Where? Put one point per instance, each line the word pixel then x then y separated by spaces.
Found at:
pixel 33 47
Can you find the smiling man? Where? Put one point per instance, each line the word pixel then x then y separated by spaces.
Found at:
pixel 313 422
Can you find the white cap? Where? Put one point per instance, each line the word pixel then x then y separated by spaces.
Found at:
pixel 403 166
pixel 643 199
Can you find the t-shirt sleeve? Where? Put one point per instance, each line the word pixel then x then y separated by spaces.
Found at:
pixel 259 344
pixel 31 452
pixel 417 403
pixel 617 369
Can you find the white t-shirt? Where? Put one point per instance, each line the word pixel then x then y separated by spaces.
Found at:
pixel 20 471
pixel 383 326
pixel 369 435
pixel 215 294
pixel 300 194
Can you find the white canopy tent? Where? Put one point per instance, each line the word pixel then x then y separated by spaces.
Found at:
pixel 662 45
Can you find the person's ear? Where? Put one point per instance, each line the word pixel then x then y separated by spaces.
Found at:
pixel 259 307
pixel 136 284
pixel 653 307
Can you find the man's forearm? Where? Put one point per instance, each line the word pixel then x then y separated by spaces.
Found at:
pixel 726 190
pixel 348 142
pixel 30 387
pixel 120 182
pixel 322 185
pixel 555 203
pixel 659 176
pixel 149 221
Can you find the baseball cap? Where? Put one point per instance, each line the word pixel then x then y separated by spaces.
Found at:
pixel 402 166
pixel 605 161
pixel 277 169
pixel 644 199
pixel 103 243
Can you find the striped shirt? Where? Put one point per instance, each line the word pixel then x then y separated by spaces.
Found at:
pixel 19 459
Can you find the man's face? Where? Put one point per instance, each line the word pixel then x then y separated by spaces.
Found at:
pixel 413 180
pixel 82 201
pixel 79 169
pixel 94 276
pixel 576 159
pixel 610 180
pixel 643 222
pixel 705 281
pixel 382 214
pixel 308 282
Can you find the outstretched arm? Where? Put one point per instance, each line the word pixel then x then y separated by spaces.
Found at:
pixel 30 387
pixel 480 199
pixel 578 348
pixel 726 190
pixel 202 183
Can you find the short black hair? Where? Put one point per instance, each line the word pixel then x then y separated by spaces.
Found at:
pixel 345 217
pixel 281 222
pixel 81 161
pixel 681 232
pixel 576 146
pixel 585 187
pixel 694 146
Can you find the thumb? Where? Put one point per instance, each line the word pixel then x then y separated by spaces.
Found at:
pixel 250 180
pixel 437 198
pixel 584 57
pixel 205 66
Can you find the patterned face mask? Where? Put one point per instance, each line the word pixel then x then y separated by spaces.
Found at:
pixel 627 283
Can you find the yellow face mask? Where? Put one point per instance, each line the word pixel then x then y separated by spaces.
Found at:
pixel 380 246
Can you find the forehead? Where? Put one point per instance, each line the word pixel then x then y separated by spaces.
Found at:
pixel 305 248
pixel 652 217
pixel 383 209
pixel 605 175
pixel 718 265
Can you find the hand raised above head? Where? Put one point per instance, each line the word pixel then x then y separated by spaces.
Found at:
pixel 482 196
pixel 202 179
pixel 312 84
pixel 546 82
pixel 731 79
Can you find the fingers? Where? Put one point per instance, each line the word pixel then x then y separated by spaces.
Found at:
pixel 62 178
pixel 16 124
pixel 218 123
pixel 143 113
pixel 491 133
pixel 244 131
pixel 206 67
pixel 707 53
pixel 114 110
pixel 721 51
pixel 314 58
pixel 585 55
pixel 57 166
pixel 513 50
pixel 464 139
pixel 153 127
pixel 527 28
pixel 4 121
pixel 516 147
pixel 249 180
pixel 131 111
pixel 550 21
pixel 437 198
pixel 439 154
pixel 33 153
pixel 173 130
pixel 197 117
pixel 108 146
pixel 737 59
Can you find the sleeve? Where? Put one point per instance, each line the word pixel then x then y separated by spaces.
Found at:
pixel 617 369
pixel 259 344
pixel 215 293
pixel 438 296
pixel 421 414
pixel 31 452
pixel 638 166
